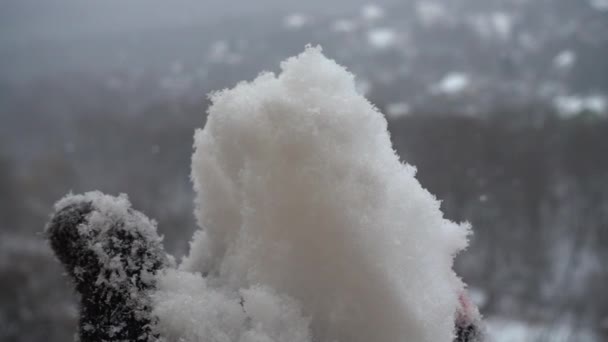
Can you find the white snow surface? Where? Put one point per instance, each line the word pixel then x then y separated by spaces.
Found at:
pixel 191 310
pixel 309 220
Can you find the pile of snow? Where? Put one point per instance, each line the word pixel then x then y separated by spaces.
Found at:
pixel 311 226
pixel 192 309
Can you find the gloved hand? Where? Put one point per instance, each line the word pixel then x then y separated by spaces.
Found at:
pixel 112 253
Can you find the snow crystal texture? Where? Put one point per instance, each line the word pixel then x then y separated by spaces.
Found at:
pixel 311 226
pixel 112 254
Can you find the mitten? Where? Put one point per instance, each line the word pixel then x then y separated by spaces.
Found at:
pixel 111 252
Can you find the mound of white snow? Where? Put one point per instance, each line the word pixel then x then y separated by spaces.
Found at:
pixel 311 226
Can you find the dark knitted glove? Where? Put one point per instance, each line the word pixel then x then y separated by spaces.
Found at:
pixel 111 252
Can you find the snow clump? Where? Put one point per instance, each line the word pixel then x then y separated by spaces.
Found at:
pixel 311 228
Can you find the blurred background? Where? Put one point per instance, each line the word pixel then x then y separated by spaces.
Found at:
pixel 501 104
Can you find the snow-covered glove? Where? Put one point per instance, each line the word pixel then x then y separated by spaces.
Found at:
pixel 112 254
